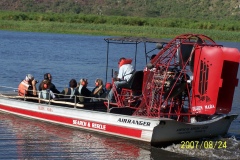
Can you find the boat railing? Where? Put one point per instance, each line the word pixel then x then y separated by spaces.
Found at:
pixel 75 100
pixel 10 92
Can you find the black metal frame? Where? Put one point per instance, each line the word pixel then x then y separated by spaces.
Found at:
pixel 133 40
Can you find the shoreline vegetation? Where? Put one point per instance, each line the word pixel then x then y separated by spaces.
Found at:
pixel 224 30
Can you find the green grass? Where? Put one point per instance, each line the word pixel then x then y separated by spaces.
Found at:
pixel 117 25
pixel 112 30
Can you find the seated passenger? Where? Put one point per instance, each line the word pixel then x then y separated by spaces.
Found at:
pixel 28 87
pixel 125 72
pixel 51 86
pixel 98 91
pixel 45 93
pixel 82 90
pixel 70 91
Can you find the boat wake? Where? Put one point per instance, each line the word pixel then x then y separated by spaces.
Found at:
pixel 230 149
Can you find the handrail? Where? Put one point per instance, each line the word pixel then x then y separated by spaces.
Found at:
pixel 74 104
pixel 45 100
pixel 50 100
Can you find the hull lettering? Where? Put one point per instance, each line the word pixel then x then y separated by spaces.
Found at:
pixel 136 122
pixel 89 124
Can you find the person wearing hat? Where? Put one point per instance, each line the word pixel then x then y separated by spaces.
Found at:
pixel 124 74
pixel 28 86
pixel 51 86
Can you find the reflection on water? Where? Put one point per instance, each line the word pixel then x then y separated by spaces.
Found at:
pixel 29 139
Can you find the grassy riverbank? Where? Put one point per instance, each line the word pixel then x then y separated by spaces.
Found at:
pixel 112 30
pixel 117 25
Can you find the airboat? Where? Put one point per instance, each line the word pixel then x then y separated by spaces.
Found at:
pixel 184 93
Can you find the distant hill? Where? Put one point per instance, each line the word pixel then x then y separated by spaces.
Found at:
pixel 191 9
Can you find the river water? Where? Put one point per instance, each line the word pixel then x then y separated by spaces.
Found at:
pixel 81 56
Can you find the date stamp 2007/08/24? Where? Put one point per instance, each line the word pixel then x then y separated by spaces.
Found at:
pixel 203 145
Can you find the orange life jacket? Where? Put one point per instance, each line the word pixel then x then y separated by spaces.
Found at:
pixel 125 61
pixel 23 88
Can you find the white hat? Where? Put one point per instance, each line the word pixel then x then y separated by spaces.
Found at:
pixel 29 77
